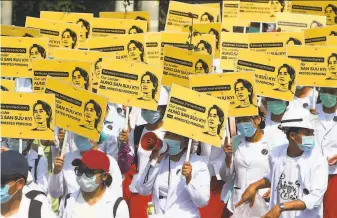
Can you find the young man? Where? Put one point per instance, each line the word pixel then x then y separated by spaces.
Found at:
pixel 14 203
pixel 298 175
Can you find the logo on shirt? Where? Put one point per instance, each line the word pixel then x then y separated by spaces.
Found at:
pixel 288 190
pixel 264 151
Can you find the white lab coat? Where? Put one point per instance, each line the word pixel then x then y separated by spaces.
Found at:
pixel 274 136
pixel 214 157
pixel 65 181
pixel 182 200
pixel 42 169
pixel 110 147
pixel 305 102
pixel 326 135
pixel 313 179
pixel 104 206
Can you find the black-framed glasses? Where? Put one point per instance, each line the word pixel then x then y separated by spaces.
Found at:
pixel 88 172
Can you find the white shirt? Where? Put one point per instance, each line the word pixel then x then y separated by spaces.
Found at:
pixel 143 155
pixel 305 102
pixel 214 156
pixel 42 169
pixel 110 147
pixel 274 136
pixel 288 186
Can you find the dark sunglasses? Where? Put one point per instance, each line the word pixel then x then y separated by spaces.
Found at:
pixel 88 172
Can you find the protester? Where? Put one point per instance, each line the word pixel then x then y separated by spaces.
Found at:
pixel 14 203
pixel 178 187
pixel 304 97
pixel 298 176
pixel 93 199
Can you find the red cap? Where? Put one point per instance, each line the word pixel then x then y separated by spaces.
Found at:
pixel 95 160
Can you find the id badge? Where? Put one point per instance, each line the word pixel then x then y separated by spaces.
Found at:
pixel 150 209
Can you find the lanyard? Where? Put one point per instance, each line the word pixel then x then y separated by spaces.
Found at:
pixel 169 175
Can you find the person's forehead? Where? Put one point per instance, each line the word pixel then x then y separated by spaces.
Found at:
pixel 90 105
pixel 146 77
pixel 333 58
pixel 213 111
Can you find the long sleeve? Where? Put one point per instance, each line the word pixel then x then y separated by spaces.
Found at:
pixel 199 186
pixel 227 173
pixel 150 173
pixel 42 174
pixel 56 185
pixel 126 155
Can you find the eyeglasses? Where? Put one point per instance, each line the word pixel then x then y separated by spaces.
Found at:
pixel 88 172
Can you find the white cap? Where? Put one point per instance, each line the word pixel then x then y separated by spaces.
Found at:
pixel 163 96
pixel 297 117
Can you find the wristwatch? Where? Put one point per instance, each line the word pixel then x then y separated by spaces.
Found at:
pixel 282 207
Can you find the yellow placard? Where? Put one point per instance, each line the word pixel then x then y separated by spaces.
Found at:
pixel 179 64
pixel 213 5
pixel 288 22
pixel 125 47
pixel 230 9
pixel 237 88
pixel 7 85
pixel 81 19
pixel 17 54
pixel 210 28
pixel 77 110
pixel 131 15
pixel 275 76
pixel 73 72
pixel 18 31
pixel 259 10
pixel 231 43
pixel 102 27
pixel 274 43
pixel 326 8
pixel 180 14
pixel 131 84
pixel 234 25
pixel 318 36
pixel 27 115
pixel 61 34
pixel 95 57
pixel 199 116
pixel 319 65
pixel 332 40
pixel 153 48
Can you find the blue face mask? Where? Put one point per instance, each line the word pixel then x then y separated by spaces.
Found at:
pixel 174 146
pixel 246 129
pixel 151 117
pixel 82 143
pixel 328 100
pixel 103 137
pixel 5 197
pixel 276 107
pixel 308 143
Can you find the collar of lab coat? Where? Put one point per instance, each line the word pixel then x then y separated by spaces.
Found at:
pixel 320 113
pixel 32 155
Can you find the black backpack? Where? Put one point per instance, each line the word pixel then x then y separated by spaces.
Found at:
pixel 35 205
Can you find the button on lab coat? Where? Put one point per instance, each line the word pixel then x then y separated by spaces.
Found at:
pixel 313 179
pixel 182 200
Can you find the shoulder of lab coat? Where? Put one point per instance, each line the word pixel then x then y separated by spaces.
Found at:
pixel 116 185
pixel 42 169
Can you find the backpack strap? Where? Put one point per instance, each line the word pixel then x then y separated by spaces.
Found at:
pixel 118 201
pixel 65 199
pixel 32 194
pixel 136 139
pixel 35 166
pixel 35 205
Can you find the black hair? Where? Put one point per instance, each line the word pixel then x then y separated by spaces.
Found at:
pixel 248 86
pixel 39 48
pixel 98 61
pixel 46 107
pixel 154 81
pixel 3 88
pixel 140 46
pixel 7 178
pixel 28 35
pixel 206 45
pixel 287 131
pixel 138 30
pixel 224 30
pixel 87 26
pixel 290 71
pixel 210 17
pixel 334 8
pixel 220 114
pixel 294 40
pixel 83 74
pixel 331 56
pixel 73 36
pixel 333 33
pixel 97 109
pixel 282 4
pixel 217 36
pixel 140 18
pixel 204 65
pixel 317 23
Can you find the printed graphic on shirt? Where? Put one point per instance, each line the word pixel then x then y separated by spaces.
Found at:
pixel 331 40
pixel 130 15
pixel 256 10
pixel 102 27
pixel 180 14
pixel 231 43
pixel 61 34
pixel 199 116
pixel 81 19
pixel 288 190
pixel 230 9
pixel 288 22
pixel 318 36
pixel 318 65
pixel 7 85
pixel 73 72
pixel 131 84
pixel 275 76
pixel 237 88
pixel 27 115
pixel 18 31
pixel 274 43
pixel 17 54
pixel 179 64
pixel 77 110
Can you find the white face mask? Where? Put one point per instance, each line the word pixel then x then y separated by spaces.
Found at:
pixel 87 184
